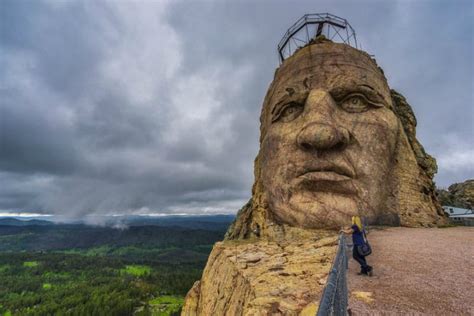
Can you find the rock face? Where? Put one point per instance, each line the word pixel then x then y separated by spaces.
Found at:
pixel 335 142
pixel 458 195
pixel 418 203
pixel 263 277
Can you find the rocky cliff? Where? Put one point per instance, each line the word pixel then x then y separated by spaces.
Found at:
pixel 458 195
pixel 260 277
pixel 335 142
pixel 410 195
pixel 418 203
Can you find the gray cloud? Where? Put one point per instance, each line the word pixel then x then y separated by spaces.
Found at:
pixel 136 107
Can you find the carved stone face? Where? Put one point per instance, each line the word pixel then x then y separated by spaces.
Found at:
pixel 329 138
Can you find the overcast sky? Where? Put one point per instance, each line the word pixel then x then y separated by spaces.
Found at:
pixel 153 107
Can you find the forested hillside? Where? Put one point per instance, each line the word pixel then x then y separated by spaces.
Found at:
pixel 47 268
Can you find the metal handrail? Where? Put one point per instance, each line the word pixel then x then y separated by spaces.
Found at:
pixel 335 296
pixel 348 37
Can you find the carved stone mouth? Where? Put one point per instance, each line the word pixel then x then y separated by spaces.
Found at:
pixel 328 173
pixel 324 176
pixel 327 177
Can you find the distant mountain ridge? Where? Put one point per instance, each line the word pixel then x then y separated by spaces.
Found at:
pixel 207 222
pixel 11 221
pixel 53 237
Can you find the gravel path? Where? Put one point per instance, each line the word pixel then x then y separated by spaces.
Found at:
pixel 417 271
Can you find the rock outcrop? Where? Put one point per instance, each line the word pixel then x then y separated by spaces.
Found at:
pixel 335 142
pixel 418 203
pixel 458 195
pixel 260 277
pixel 397 189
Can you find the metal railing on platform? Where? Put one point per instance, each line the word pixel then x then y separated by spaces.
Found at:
pixel 335 297
pixel 310 26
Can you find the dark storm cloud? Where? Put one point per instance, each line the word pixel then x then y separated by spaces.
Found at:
pixel 139 107
pixel 34 140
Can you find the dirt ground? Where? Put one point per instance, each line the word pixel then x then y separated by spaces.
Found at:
pixel 417 271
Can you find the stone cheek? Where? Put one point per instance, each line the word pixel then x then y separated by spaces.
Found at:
pixel 413 188
pixel 413 191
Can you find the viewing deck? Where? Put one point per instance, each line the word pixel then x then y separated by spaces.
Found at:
pixel 416 271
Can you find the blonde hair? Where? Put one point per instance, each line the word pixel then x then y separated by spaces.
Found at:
pixel 356 221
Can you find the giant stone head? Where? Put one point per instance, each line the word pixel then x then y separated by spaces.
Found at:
pixel 330 137
pixel 336 142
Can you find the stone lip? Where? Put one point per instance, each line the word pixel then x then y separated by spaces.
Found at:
pixel 257 277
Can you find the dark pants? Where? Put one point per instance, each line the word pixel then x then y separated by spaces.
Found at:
pixel 364 267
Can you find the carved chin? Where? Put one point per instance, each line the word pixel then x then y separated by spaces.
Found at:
pixel 344 185
pixel 316 210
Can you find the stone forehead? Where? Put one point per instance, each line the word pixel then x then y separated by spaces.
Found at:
pixel 328 65
pixel 323 54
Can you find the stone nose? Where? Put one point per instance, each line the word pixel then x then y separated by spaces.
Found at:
pixel 322 136
pixel 321 132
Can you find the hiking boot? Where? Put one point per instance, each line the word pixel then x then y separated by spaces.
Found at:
pixel 370 271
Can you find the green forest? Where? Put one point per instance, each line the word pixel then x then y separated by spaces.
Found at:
pixel 143 270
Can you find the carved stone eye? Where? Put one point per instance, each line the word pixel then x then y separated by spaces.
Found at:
pixel 290 112
pixel 355 103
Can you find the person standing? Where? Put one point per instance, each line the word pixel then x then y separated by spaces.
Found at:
pixel 358 239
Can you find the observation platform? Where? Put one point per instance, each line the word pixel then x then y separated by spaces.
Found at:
pixel 416 271
pixel 309 27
